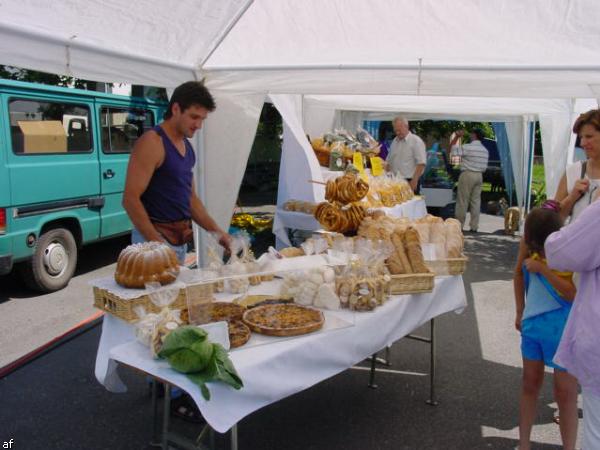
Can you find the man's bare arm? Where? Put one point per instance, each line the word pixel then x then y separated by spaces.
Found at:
pixel 146 157
pixel 519 284
pixel 414 182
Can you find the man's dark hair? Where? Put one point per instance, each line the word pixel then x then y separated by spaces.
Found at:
pixel 479 133
pixel 188 94
pixel 540 223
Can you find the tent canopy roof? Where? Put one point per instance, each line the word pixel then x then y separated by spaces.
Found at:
pixel 501 48
pixel 449 108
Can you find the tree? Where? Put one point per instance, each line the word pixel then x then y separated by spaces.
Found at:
pixel 34 76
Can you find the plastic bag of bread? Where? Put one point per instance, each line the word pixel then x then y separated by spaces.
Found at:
pixel 165 321
pixel 362 297
pixel 291 252
pixel 215 263
pixel 437 237
pixel 423 229
pixel 144 326
pixel 307 207
pixel 454 238
pixel 235 270
pixel 252 267
pixel 290 205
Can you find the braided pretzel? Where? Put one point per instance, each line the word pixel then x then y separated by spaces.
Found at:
pixel 346 189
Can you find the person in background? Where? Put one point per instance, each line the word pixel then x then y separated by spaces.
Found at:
pixel 575 248
pixel 383 141
pixel 543 303
pixel 159 196
pixel 407 156
pixel 473 162
pixel 578 187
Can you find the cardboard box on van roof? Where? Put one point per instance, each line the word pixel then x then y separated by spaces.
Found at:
pixel 43 136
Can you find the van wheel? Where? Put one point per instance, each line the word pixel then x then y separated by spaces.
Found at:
pixel 53 262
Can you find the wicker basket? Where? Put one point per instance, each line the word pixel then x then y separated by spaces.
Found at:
pixel 450 266
pixel 125 308
pixel 411 283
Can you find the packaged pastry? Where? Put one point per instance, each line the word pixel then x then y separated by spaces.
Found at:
pixel 454 238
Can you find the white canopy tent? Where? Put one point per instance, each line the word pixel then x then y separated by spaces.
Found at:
pixel 247 49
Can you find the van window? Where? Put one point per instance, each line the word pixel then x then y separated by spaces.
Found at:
pixel 39 127
pixel 122 126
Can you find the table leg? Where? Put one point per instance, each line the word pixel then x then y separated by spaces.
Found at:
pixel 166 417
pixel 155 427
pixel 432 353
pixel 432 357
pixel 234 437
pixel 372 384
pixel 387 356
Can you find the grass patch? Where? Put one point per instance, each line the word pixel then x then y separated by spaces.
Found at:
pixel 538 187
pixel 538 184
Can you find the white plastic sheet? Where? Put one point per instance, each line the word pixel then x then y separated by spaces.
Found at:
pixel 228 135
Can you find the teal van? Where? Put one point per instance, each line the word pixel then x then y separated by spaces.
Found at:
pixel 63 160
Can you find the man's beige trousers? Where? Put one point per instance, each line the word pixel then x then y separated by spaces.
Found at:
pixel 469 196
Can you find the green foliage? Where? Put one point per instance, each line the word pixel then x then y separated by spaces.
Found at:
pixel 538 185
pixel 33 76
pixel 440 129
pixel 267 143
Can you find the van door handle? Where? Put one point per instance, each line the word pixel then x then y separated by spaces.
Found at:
pixel 108 174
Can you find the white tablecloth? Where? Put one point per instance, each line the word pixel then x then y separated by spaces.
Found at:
pixel 273 371
pixel 412 209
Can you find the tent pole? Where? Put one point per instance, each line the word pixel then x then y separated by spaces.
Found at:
pixel 531 147
pixel 523 203
pixel 201 189
pixel 411 66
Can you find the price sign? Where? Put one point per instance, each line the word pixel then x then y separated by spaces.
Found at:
pixel 357 161
pixel 376 166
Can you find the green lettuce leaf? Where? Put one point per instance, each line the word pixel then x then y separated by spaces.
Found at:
pixel 188 350
pixel 182 337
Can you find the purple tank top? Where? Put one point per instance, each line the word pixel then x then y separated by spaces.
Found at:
pixel 167 197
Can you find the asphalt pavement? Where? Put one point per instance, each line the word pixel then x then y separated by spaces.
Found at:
pixel 55 401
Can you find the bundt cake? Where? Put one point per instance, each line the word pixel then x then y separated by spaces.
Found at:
pixel 146 262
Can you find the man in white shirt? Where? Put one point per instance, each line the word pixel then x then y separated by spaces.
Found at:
pixel 407 156
pixel 473 162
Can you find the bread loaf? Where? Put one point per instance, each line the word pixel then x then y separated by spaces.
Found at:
pixel 146 262
pixel 413 251
pixel 399 261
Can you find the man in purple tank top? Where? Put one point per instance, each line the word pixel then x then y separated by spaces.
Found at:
pixel 159 195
